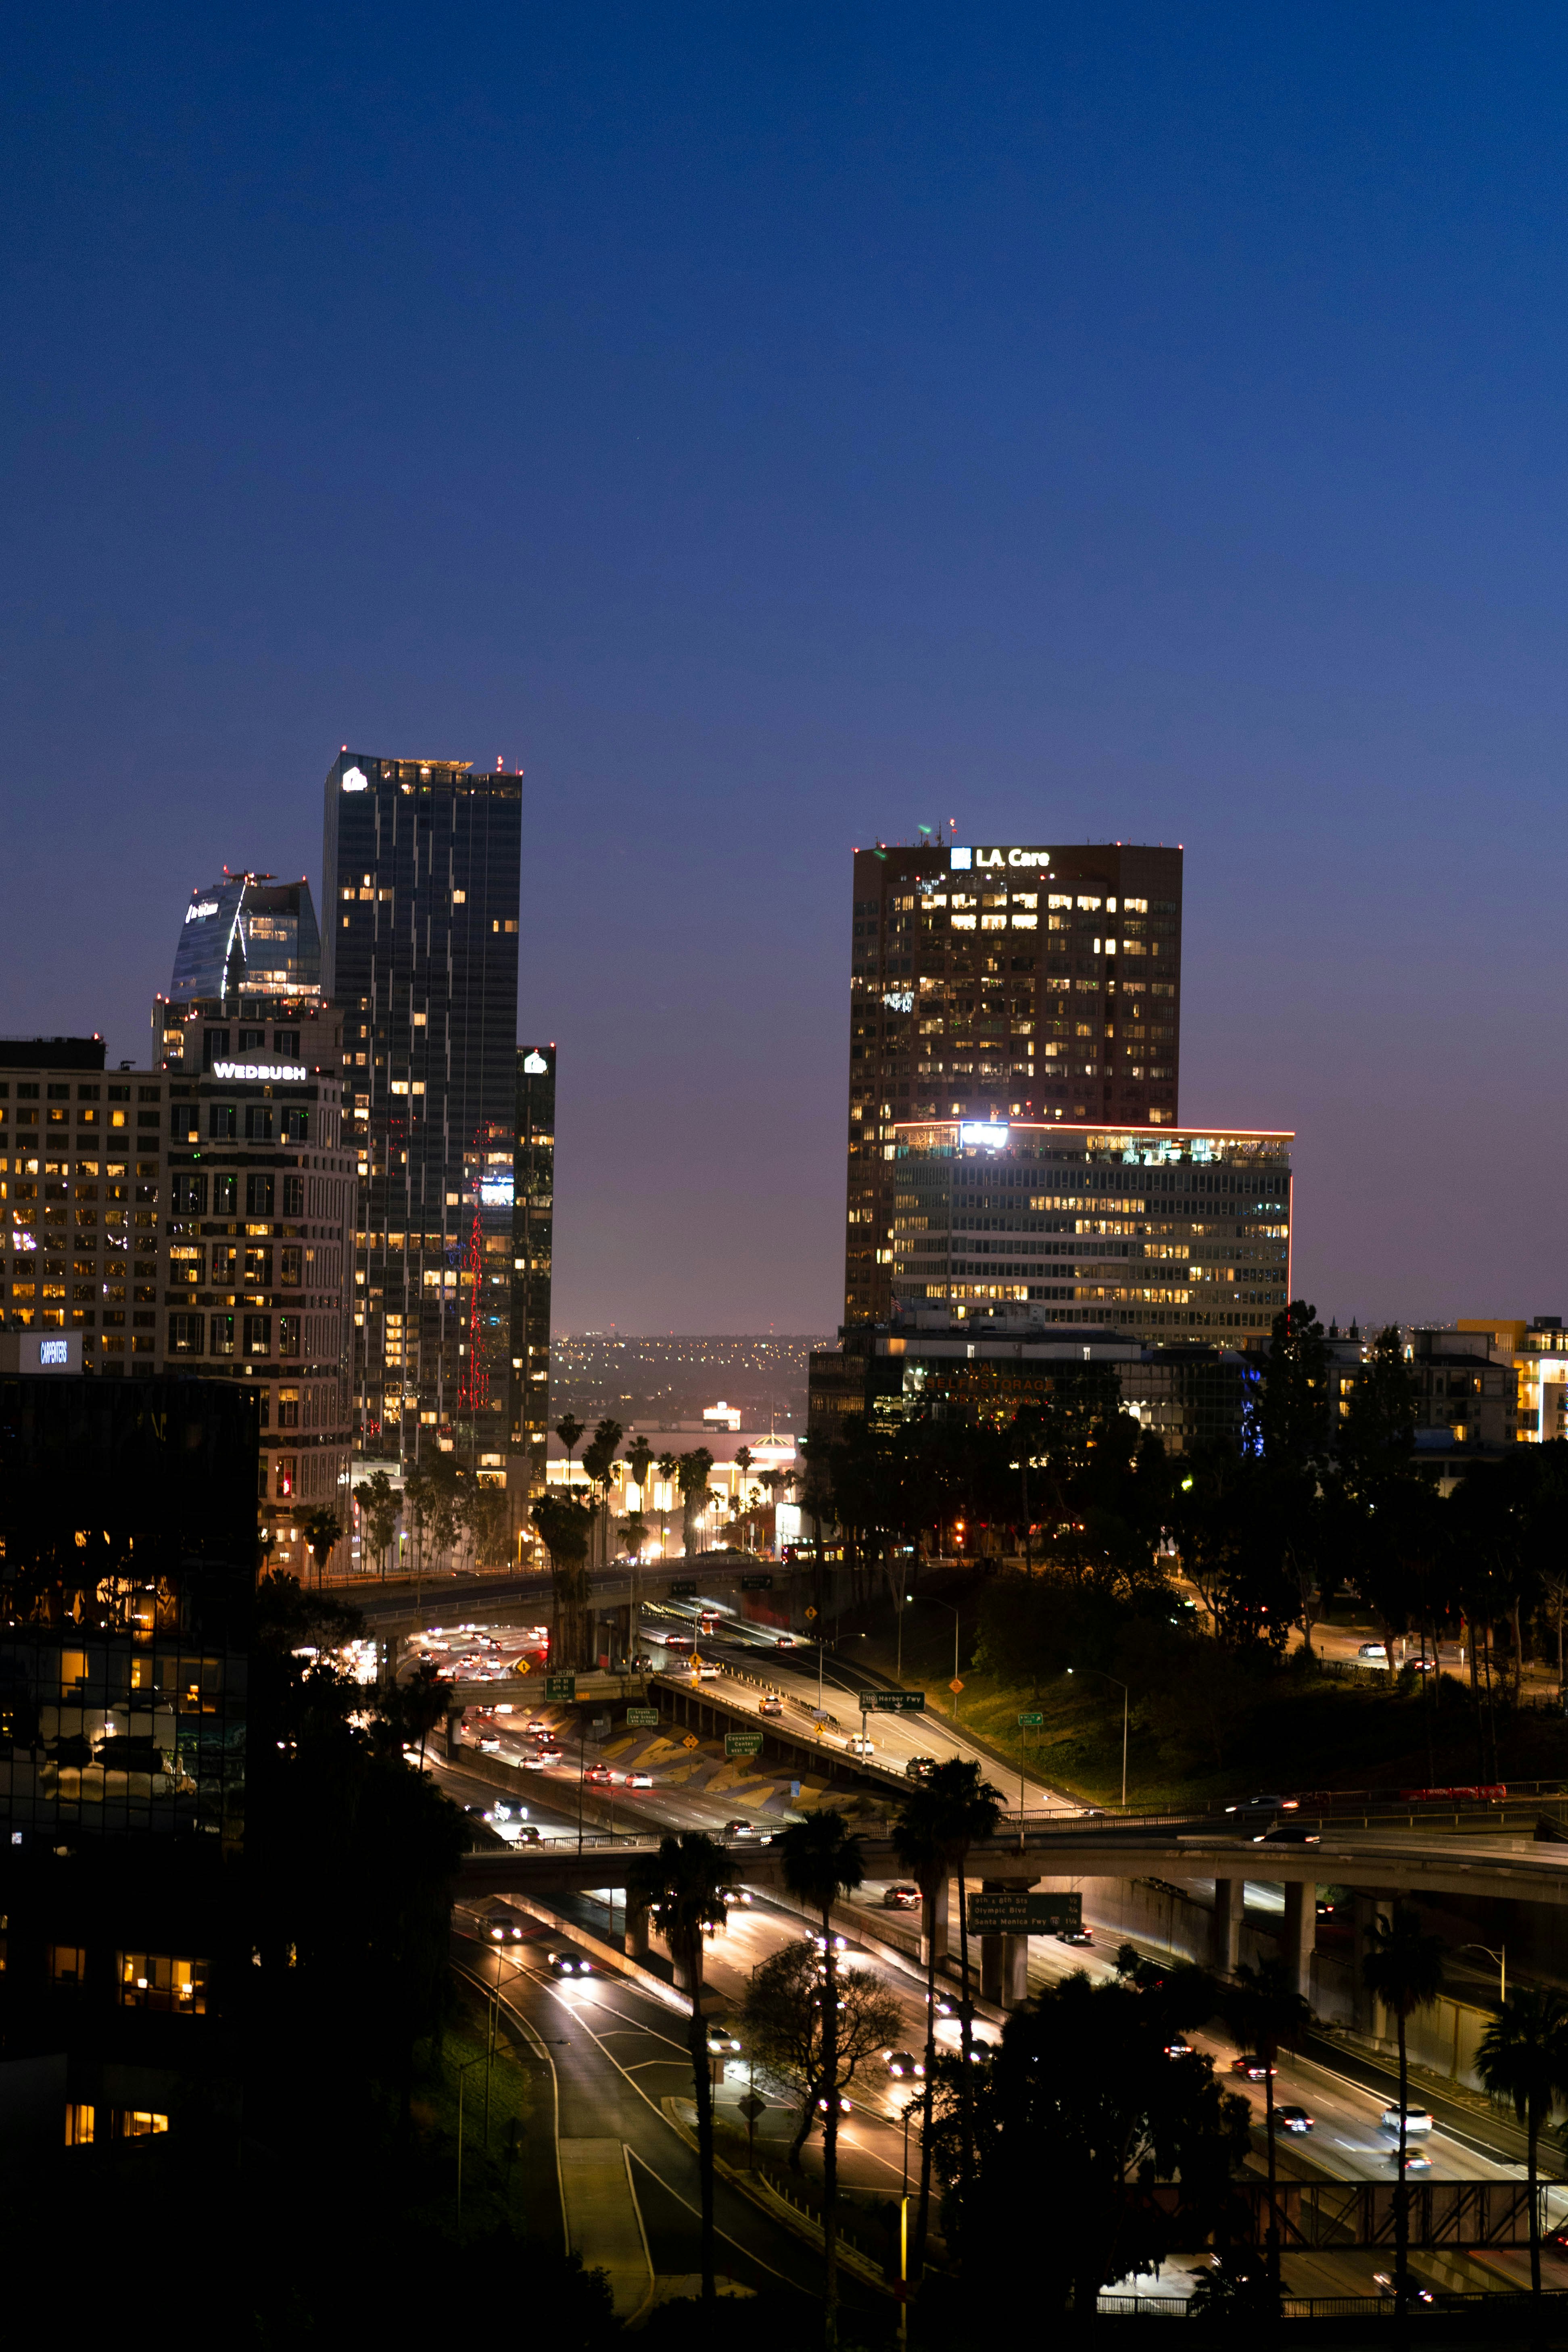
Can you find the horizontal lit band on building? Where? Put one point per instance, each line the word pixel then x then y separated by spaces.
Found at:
pixel 1095 1143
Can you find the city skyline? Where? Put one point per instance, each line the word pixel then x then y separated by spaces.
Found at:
pixel 1128 433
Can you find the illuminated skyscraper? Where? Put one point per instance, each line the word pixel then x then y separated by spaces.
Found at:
pixel 420 873
pixel 534 1193
pixel 248 935
pixel 994 984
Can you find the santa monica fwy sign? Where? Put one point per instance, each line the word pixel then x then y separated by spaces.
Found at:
pixel 1013 1911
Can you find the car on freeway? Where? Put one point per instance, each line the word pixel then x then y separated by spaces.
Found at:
pixel 1178 2049
pixel 1295 2119
pixel 901 1896
pixel 738 1829
pixel 551 1751
pixel 527 1835
pixel 945 2004
pixel 733 1894
pixel 533 1763
pixel 1075 1936
pixel 860 1745
pixel 784 1641
pixel 1417 2160
pixel 567 1963
pixel 598 1775
pixel 707 1672
pixel 1265 1804
pixel 723 2041
pixel 840 1943
pixel 1255 2069
pixel 843 2103
pixel 1416 2119
pixel 505 1935
pixel 920 1768
pixel 1288 1834
pixel 904 2066
pixel 535 1725
pixel 772 1705
pixel 490 1743
pixel 1374 1651
pixel 639 1779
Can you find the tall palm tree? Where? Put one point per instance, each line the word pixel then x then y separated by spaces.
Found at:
pixel 1265 2009
pixel 1403 1967
pixel 569 1429
pixel 743 1460
pixel 1523 2062
pixel 666 1465
pixel 821 1861
pixel 683 1886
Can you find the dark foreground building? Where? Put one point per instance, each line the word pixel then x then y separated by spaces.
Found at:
pixel 989 982
pixel 127 1570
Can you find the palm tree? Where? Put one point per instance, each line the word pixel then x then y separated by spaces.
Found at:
pixel 667 1467
pixel 1524 2061
pixel 1263 2010
pixel 598 1460
pixel 1403 1967
pixel 321 1529
pixel 683 1886
pixel 639 1462
pixel 951 1812
pixel 743 1460
pixel 565 1526
pixel 821 1861
pixel 922 1854
pixel 569 1429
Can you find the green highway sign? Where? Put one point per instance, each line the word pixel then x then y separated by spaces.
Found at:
pixel 892 1702
pixel 559 1686
pixel 1030 1722
pixel 1013 1911
pixel 742 1743
pixel 756 1584
pixel 643 1719
pixel 685 1589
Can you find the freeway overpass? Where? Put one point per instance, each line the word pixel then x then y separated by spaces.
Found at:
pixel 525 1599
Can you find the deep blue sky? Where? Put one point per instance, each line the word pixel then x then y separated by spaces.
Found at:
pixel 777 426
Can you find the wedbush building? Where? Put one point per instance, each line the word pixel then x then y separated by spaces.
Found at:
pixel 994 982
pixel 421 897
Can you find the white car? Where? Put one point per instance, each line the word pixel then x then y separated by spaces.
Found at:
pixel 639 1779
pixel 1374 1652
pixel 1416 2119
pixel 860 1745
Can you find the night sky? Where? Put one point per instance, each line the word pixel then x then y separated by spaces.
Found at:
pixel 774 427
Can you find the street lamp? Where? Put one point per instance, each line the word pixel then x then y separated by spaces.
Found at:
pixel 1500 1956
pixel 1122 1688
pixel 942 1605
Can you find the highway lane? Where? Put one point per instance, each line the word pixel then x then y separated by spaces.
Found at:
pixel 615 2052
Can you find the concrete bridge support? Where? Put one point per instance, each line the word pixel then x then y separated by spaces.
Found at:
pixel 991 1950
pixel 1225 1933
pixel 1368 2015
pixel 1015 1970
pixel 634 1934
pixel 1300 1935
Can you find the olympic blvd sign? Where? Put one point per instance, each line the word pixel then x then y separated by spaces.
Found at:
pixel 685 1589
pixel 1013 1911
pixel 756 1584
pixel 642 1718
pixel 892 1702
pixel 563 1686
pixel 742 1743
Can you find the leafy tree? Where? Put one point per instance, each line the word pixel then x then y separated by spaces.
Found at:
pixel 1376 1436
pixel 822 1860
pixel 1523 2062
pixel 783 2014
pixel 1079 2109
pixel 683 1888
pixel 484 1515
pixel 1263 2008
pixel 1403 1967
pixel 380 1509
pixel 1294 1421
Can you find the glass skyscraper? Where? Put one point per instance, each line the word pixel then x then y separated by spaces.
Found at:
pixel 421 882
pixel 247 935
pixel 534 1195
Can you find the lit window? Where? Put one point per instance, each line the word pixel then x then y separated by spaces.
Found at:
pixel 79 2122
pixel 158 1980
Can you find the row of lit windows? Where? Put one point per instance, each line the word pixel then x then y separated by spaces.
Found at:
pixel 85 2124
pixel 142 1979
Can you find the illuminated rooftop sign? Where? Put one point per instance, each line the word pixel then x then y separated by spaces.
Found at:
pixel 200 908
pixel 290 1072
pixel 494 1191
pixel 990 1133
pixel 535 1066
pixel 356 781
pixel 963 861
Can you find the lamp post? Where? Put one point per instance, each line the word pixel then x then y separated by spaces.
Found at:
pixel 939 1603
pixel 1122 1688
pixel 1500 1956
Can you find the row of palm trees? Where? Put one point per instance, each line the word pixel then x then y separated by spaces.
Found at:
pixel 682 1887
pixel 1522 2059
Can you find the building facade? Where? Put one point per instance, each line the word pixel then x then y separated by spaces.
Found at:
pixel 996 982
pixel 248 935
pixel 1173 1235
pixel 1538 1353
pixel 198 1222
pixel 534 1225
pixel 421 887
pixel 937 1362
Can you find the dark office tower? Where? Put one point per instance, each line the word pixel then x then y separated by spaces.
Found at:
pixel 533 1193
pixel 996 982
pixel 247 935
pixel 420 877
